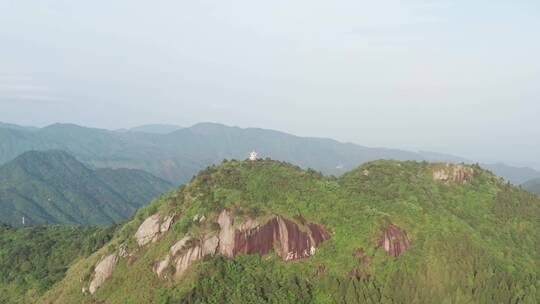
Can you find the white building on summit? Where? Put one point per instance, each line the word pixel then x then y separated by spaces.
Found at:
pixel 253 156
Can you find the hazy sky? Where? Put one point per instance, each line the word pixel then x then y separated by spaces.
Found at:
pixel 460 76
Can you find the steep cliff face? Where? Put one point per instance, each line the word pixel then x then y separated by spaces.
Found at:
pixel 454 173
pixel 394 241
pixel 291 240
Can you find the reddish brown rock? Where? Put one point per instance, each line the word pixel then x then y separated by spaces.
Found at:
pixel 293 242
pixel 394 241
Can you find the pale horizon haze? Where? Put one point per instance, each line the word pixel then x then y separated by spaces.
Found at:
pixel 457 77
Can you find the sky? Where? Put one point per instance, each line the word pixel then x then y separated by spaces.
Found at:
pixel 458 77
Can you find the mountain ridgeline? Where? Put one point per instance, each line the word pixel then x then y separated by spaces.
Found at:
pixel 52 187
pixel 176 154
pixel 270 232
pixel 532 186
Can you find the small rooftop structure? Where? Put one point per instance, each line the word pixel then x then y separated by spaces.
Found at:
pixel 253 156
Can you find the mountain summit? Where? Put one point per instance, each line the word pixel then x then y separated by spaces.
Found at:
pixel 270 232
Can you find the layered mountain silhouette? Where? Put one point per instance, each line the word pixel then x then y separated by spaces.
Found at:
pixel 178 155
pixel 532 186
pixel 53 187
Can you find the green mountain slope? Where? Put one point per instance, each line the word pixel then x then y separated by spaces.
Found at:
pixel 177 156
pixel 532 186
pixel 271 232
pixel 33 259
pixel 53 187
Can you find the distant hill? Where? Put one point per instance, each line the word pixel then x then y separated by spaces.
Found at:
pixel 156 129
pixel 16 127
pixel 514 175
pixel 53 187
pixel 532 186
pixel 179 155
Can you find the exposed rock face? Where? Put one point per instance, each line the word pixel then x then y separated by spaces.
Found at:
pixel 394 241
pixel 152 228
pixel 202 248
pixel 104 269
pixel 166 224
pixel 180 245
pixel 462 174
pixel 226 234
pixel 293 241
pixel 458 174
pixel 160 267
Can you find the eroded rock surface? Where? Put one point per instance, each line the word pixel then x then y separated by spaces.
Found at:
pixel 160 267
pixel 152 228
pixel 226 234
pixel 394 241
pixel 204 247
pixel 180 245
pixel 292 241
pixel 104 269
pixel 458 174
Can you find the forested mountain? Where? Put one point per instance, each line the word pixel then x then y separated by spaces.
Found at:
pixel 32 259
pixel 532 186
pixel 177 156
pixel 270 232
pixel 53 187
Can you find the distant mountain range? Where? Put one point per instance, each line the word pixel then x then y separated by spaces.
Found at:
pixel 53 187
pixel 177 154
pixel 532 186
pixel 155 129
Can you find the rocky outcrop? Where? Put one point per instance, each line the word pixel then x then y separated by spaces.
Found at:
pixel 291 240
pixel 179 245
pixel 226 233
pixel 458 174
pixel 104 269
pixel 394 241
pixel 202 248
pixel 152 228
pixel 160 267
